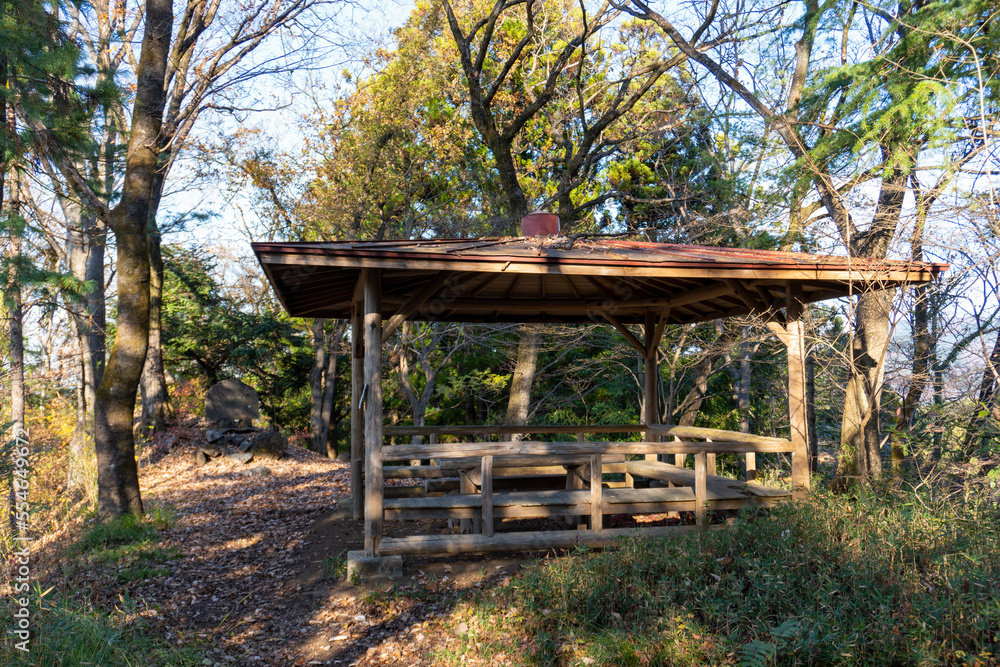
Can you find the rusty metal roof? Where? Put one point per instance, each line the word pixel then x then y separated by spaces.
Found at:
pixel 566 279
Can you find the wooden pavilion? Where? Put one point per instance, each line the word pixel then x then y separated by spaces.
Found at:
pixel 378 285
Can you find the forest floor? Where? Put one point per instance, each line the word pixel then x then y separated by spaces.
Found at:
pixel 251 568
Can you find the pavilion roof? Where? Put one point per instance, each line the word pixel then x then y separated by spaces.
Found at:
pixel 565 279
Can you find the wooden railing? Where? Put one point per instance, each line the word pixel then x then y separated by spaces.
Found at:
pixel 587 456
pixel 572 429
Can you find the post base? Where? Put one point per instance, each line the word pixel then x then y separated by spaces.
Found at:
pixel 361 567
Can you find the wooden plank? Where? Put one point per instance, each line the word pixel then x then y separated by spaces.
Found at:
pixel 547 497
pixel 403 492
pixel 797 393
pixel 717 488
pixel 487 495
pixel 596 494
pixel 554 511
pixel 373 412
pixel 414 303
pixel 413 472
pixel 443 545
pixel 521 471
pixel 700 490
pixel 357 411
pixel 502 464
pixel 512 429
pixel 553 450
pixel 697 432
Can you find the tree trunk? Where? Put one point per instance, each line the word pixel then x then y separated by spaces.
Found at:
pixel 85 244
pixel 860 439
pixel 986 407
pixel 524 375
pixel 691 404
pixel 322 377
pixel 114 409
pixel 811 411
pixel 861 433
pixel 923 342
pixel 316 429
pixel 156 408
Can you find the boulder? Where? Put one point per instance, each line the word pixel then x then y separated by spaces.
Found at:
pixel 232 403
pixel 268 443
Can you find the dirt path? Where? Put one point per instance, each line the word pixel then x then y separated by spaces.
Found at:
pixel 255 581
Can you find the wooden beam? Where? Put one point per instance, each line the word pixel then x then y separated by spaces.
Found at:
pixel 797 392
pixel 746 296
pixel 572 287
pixel 486 282
pixel 414 303
pixel 373 411
pixel 602 287
pixel 541 540
pixel 698 432
pixel 357 410
pixel 623 330
pixel 780 331
pixel 651 371
pixel 653 345
pixel 531 448
pixel 510 429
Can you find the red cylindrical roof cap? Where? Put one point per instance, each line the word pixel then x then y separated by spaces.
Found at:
pixel 539 223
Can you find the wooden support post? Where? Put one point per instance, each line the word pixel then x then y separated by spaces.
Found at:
pixel 373 410
pixel 465 486
pixel 650 366
pixel 680 460
pixel 700 490
pixel 487 486
pixel 574 483
pixel 596 493
pixel 357 409
pixel 710 460
pixel 797 391
pixel 751 466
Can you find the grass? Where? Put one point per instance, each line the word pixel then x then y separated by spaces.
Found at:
pixel 880 577
pixel 335 567
pixel 68 634
pixel 129 545
pixel 71 632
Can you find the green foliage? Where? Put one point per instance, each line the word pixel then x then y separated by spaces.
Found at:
pixel 876 578
pixel 335 567
pixel 210 334
pixel 128 545
pixel 65 633
pixel 125 530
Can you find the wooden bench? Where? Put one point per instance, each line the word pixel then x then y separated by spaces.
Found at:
pixel 533 504
pixel 583 465
pixel 717 487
